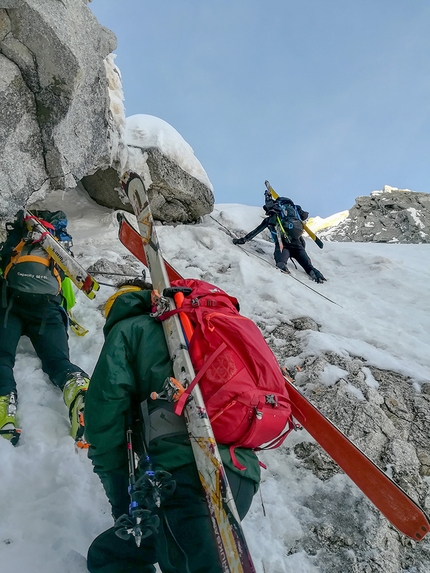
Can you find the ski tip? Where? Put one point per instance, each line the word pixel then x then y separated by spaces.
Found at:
pixel 319 243
pixel 422 532
pixel 128 176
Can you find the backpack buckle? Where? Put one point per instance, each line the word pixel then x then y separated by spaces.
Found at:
pixel 160 304
pixel 258 413
pixel 272 400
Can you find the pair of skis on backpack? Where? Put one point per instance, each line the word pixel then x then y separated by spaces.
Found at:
pixel 379 488
pixel 305 227
pixel 63 258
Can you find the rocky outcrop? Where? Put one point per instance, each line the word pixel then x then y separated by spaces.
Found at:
pixel 388 216
pixel 382 413
pixel 174 194
pixel 178 187
pixel 53 96
pixel 62 119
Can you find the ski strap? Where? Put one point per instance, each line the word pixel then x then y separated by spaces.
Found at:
pixel 181 402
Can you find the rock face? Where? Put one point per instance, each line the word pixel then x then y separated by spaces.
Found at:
pixel 174 194
pixel 382 413
pixel 54 100
pixel 62 122
pixel 388 216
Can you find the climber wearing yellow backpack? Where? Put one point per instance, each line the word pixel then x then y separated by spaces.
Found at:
pixel 33 304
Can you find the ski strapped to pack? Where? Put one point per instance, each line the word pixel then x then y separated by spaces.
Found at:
pixel 132 240
pixel 232 548
pixel 68 264
pixel 239 377
pixel 311 234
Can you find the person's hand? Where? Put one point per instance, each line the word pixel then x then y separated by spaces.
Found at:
pixel 240 241
pixel 317 276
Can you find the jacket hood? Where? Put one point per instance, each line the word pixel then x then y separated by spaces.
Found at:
pixel 127 305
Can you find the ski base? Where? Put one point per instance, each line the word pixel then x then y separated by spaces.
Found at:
pixel 233 551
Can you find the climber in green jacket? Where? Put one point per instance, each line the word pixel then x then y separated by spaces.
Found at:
pixel 134 363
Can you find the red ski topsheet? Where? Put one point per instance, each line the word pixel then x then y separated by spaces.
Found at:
pixel 131 239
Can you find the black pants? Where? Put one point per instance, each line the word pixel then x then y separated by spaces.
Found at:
pixel 295 251
pixel 187 527
pixel 50 344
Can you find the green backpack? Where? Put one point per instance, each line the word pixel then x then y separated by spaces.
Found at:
pixel 32 271
pixel 28 270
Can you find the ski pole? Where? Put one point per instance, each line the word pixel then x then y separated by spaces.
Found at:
pixel 255 255
pixel 140 522
pixel 267 262
pixel 113 274
pixel 223 226
pixel 106 284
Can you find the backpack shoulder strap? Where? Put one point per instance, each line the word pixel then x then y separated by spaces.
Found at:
pixel 16 253
pixel 17 256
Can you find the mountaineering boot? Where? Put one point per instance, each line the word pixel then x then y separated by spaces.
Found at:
pixel 74 398
pixel 317 276
pixel 8 420
pixel 283 267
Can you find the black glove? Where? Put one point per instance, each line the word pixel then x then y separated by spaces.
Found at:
pixel 240 241
pixel 317 276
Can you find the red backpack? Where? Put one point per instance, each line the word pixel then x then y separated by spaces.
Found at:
pixel 241 382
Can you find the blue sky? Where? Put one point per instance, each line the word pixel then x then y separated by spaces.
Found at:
pixel 328 99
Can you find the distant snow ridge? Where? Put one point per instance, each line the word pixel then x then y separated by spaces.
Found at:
pixel 390 215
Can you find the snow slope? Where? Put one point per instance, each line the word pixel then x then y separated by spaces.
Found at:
pixel 52 505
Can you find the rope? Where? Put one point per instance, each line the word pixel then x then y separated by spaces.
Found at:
pixel 270 264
